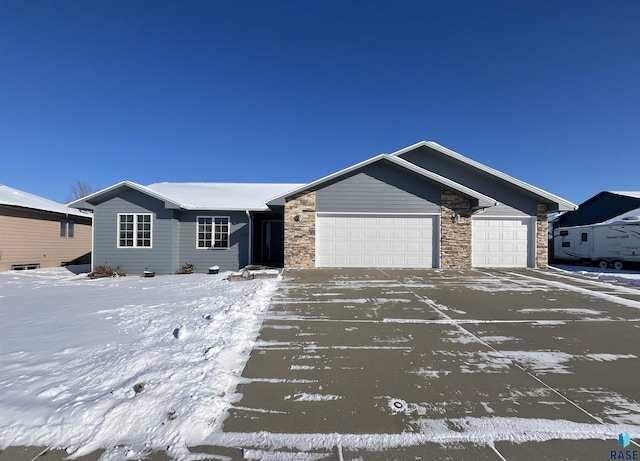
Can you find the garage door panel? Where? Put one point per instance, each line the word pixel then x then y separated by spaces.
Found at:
pixel 500 242
pixel 375 241
pixel 384 247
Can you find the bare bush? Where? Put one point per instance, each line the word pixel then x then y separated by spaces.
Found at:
pixel 106 271
pixel 186 268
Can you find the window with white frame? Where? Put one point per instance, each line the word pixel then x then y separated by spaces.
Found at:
pixel 213 232
pixel 134 230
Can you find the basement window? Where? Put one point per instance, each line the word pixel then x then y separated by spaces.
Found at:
pixel 24 267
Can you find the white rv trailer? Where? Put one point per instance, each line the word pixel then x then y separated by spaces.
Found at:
pixel 609 244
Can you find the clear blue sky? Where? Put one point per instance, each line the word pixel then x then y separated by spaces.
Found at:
pixel 290 91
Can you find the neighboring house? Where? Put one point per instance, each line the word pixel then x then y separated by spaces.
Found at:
pixel 423 206
pixel 163 226
pixel 36 232
pixel 599 208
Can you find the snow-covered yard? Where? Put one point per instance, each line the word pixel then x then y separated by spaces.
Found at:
pixel 144 363
pixel 623 276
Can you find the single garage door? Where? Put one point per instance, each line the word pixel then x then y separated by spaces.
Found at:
pixel 376 241
pixel 501 242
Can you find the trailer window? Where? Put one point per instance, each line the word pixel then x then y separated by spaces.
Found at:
pixel 563 233
pixel 583 236
pixel 566 244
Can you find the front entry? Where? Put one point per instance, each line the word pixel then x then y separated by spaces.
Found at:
pixel 272 241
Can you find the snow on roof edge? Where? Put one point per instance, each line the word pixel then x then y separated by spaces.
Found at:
pixel 633 194
pixel 10 196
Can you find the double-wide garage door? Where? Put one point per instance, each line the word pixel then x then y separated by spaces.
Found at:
pixel 376 241
pixel 501 242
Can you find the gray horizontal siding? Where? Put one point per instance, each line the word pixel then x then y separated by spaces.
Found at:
pixel 514 201
pixel 232 258
pixel 132 260
pixel 380 188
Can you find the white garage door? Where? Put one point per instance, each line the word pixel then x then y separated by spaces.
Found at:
pixel 375 241
pixel 501 242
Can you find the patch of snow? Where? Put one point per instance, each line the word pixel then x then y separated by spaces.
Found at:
pixel 430 373
pixel 487 408
pixel 558 310
pixel 617 408
pixel 460 338
pixel 140 362
pixel 611 275
pixel 549 322
pixel 592 293
pixel 482 431
pixel 498 339
pixel 306 397
pixel 541 361
pixel 264 455
pixel 609 357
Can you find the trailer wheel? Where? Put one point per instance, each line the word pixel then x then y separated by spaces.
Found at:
pixel 603 264
pixel 618 265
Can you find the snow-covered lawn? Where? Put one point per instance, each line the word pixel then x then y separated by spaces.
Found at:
pixel 624 276
pixel 144 363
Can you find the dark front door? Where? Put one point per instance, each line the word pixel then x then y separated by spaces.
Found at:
pixel 272 241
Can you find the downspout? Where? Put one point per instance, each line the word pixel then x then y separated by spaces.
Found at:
pixel 250 255
pixel 93 239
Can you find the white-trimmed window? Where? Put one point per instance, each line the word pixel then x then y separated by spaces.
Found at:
pixel 134 230
pixel 212 232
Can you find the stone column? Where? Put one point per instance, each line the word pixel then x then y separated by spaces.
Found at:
pixel 455 231
pixel 542 237
pixel 300 231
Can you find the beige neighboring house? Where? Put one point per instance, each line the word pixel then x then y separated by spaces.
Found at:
pixel 36 232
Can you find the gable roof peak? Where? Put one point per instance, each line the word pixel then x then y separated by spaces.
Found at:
pixel 564 204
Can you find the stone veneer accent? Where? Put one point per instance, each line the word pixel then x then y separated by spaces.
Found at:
pixel 455 237
pixel 300 232
pixel 542 237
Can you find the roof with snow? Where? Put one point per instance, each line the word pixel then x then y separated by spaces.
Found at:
pixel 627 217
pixel 221 196
pixel 633 194
pixel 601 207
pixel 14 197
pixel 199 196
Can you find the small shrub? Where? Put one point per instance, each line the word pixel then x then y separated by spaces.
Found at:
pixel 186 269
pixel 140 388
pixel 105 271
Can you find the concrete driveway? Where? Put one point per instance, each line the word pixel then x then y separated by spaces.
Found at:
pixel 429 364
pixel 438 365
